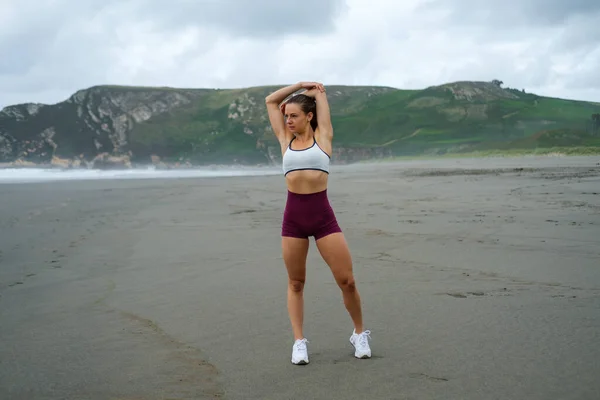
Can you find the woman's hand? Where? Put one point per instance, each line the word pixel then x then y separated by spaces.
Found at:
pixel 313 85
pixel 312 92
pixel 312 88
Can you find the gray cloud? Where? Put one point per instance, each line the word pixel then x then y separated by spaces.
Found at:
pixel 508 20
pixel 55 48
pixel 41 28
pixel 257 18
pixel 509 13
pixel 550 45
pixel 65 45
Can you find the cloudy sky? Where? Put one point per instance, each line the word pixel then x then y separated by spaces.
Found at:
pixel 51 48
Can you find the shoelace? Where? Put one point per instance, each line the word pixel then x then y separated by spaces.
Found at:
pixel 301 344
pixel 362 338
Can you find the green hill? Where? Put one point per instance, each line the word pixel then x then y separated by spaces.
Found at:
pixel 204 126
pixel 470 116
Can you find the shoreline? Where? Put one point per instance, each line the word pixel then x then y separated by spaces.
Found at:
pixel 402 168
pixel 513 153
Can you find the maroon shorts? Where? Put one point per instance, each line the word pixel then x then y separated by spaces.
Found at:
pixel 308 215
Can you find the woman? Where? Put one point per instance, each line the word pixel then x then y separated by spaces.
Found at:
pixel 303 127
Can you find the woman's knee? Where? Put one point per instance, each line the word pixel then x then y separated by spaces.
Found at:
pixel 347 284
pixel 296 285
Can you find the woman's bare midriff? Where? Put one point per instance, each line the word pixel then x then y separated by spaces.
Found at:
pixel 306 181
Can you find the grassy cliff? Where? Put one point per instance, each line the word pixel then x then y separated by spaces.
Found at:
pixel 470 116
pixel 224 126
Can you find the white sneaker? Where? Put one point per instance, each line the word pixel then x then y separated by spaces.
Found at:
pixel 361 344
pixel 300 352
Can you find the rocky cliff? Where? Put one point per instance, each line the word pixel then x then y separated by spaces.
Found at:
pixel 91 127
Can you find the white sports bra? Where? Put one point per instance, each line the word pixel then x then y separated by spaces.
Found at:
pixel 312 157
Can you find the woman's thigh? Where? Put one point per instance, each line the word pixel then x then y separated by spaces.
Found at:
pixel 335 252
pixel 295 251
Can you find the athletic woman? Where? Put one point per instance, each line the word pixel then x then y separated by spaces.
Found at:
pixel 302 124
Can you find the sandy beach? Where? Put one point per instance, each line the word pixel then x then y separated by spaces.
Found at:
pixel 480 279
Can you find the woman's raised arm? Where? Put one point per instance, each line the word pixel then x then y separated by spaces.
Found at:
pixel 273 103
pixel 323 115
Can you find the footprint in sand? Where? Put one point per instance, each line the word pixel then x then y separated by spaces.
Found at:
pixel 378 232
pixel 29 275
pixel 54 263
pixel 564 296
pixel 419 375
pixel 247 211
pixel 461 295
pixel 411 221
pixel 479 293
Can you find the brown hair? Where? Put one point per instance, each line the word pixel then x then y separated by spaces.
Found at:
pixel 307 104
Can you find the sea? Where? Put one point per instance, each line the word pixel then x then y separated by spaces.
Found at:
pixel 32 175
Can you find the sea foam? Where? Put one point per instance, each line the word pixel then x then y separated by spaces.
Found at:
pixel 27 175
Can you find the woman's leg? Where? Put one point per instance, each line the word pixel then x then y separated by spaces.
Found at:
pixel 335 253
pixel 295 251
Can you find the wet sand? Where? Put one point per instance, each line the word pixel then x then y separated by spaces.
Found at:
pixel 480 279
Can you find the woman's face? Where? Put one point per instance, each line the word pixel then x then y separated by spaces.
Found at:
pixel 296 119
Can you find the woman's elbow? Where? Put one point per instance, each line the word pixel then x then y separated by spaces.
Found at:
pixel 270 99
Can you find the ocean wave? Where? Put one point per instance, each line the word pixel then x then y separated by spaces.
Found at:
pixel 27 175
